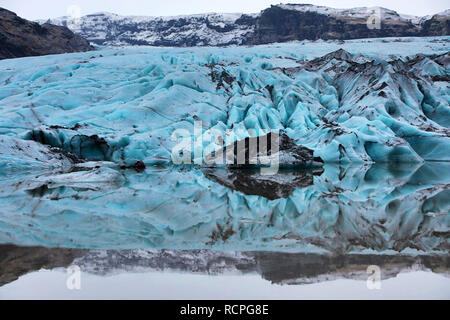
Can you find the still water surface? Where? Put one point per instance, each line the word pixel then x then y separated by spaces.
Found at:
pixel 228 234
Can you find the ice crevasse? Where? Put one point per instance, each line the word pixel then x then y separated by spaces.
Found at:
pixel 347 103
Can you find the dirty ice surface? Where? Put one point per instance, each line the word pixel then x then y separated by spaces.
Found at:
pixel 378 100
pixel 75 128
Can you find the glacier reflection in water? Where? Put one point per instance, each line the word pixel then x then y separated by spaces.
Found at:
pixel 275 267
pixel 338 210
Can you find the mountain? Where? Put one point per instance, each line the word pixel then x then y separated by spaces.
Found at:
pixel 22 38
pixel 437 25
pixel 299 22
pixel 18 261
pixel 279 23
pixel 202 29
pixel 276 267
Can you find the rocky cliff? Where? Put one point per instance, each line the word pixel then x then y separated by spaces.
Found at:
pixel 281 24
pixel 22 38
pixel 276 267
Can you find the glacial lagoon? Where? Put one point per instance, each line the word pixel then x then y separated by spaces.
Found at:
pixel 87 179
pixel 299 234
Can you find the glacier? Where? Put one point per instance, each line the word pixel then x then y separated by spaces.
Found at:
pixel 366 101
pixel 351 209
pixel 75 128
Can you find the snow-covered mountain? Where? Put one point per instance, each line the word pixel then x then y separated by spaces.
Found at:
pixel 276 267
pixel 278 23
pixel 203 29
pixel 360 12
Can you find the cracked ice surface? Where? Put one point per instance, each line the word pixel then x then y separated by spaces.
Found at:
pixel 69 123
pixel 343 209
pixel 377 102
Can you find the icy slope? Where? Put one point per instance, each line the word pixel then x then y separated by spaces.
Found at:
pixel 379 101
pixel 20 154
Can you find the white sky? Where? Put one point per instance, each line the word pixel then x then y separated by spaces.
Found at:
pixel 42 9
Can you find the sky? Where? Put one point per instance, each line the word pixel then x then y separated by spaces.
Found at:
pixel 43 9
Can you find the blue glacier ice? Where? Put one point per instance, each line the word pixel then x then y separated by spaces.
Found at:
pixel 343 209
pixel 375 112
pixel 378 101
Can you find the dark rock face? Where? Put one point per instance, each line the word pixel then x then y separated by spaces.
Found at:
pixel 251 182
pixel 18 261
pixel 288 153
pixel 276 267
pixel 22 38
pixel 436 26
pixel 303 268
pixel 247 177
pixel 280 25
